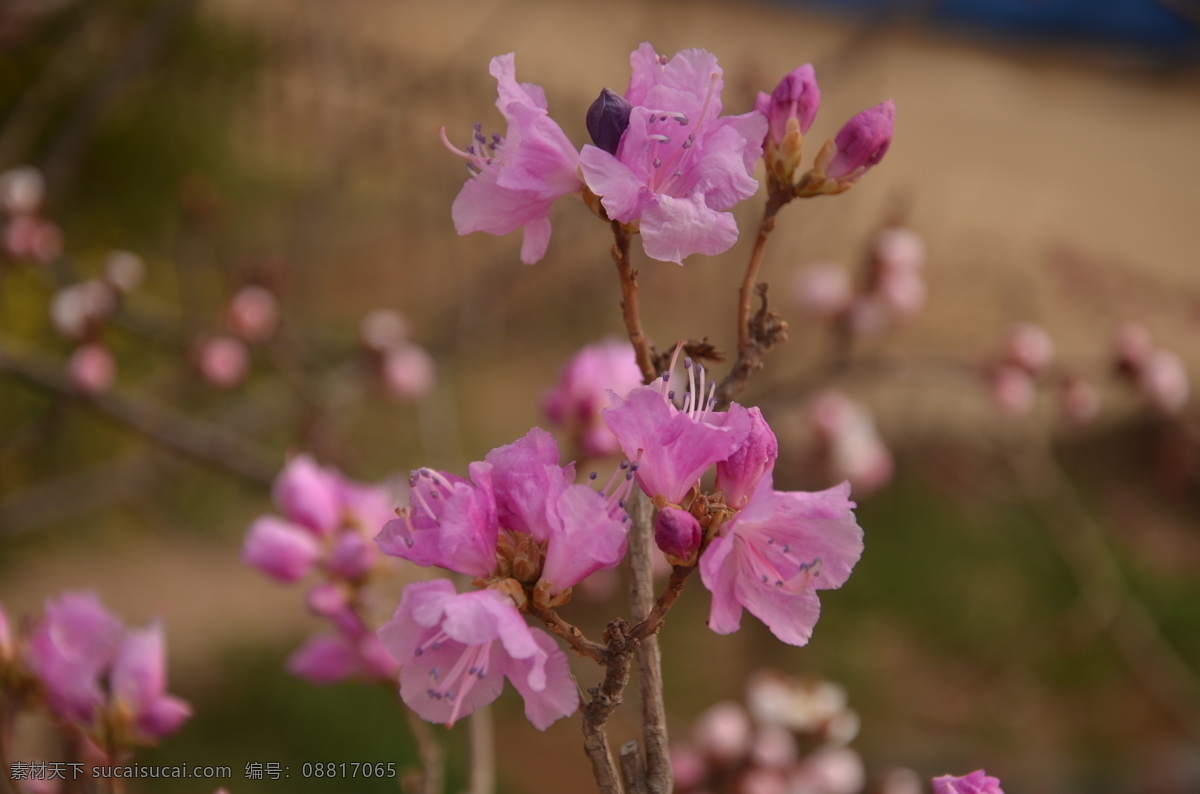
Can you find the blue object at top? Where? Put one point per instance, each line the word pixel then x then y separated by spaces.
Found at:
pixel 1141 23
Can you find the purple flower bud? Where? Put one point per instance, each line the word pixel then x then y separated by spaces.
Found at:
pixel 678 534
pixel 326 599
pixel 280 549
pixel 796 97
pixel 863 142
pixel 607 119
pixel 738 476
pixel 324 660
pixel 308 495
pixel 352 555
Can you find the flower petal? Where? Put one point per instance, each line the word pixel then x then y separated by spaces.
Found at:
pixel 674 228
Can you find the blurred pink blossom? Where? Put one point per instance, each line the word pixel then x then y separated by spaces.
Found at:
pixel 1163 381
pixel 383 329
pixel 1028 347
pixel 92 368
pixel 408 372
pixel 1013 389
pixel 22 190
pixel 582 391
pixel 1078 399
pixel 124 271
pixel 822 289
pixel 978 782
pixel 223 361
pixel 253 313
pixel 850 446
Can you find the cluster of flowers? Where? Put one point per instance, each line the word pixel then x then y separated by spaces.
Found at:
pixel 103 682
pixel 327 527
pixel 528 534
pixel 892 289
pixel 663 160
pixel 250 317
pixel 26 235
pixel 792 736
pixel 403 369
pixel 1027 357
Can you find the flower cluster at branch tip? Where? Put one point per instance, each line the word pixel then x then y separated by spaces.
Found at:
pixel 575 402
pixel 327 525
pixel 663 160
pixel 402 368
pixel 26 236
pixel 767 551
pixel 1157 374
pixel 105 680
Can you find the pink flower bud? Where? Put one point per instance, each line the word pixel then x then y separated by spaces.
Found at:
pixel 21 190
pixel 1013 390
pixel 739 474
pixel 92 368
pixel 383 329
pixel 837 770
pixel 324 660
pixel 326 599
pixel 1079 399
pixel 862 142
pixel 1028 347
pixel 823 289
pixel 408 372
pixel 898 248
pixel 352 555
pixel 687 767
pixel 78 309
pixel 1163 381
pixel 796 97
pixel 124 271
pixel 222 361
pixel 1133 345
pixel 309 495
pixel 139 679
pixel 978 782
pixel 723 732
pixel 678 534
pixel 253 313
pixel 280 549
pixel 902 292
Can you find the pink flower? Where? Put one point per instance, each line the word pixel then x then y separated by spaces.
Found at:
pixel 796 97
pixel 1029 347
pixel 455 650
pixel 222 361
pixel 309 495
pixel 851 448
pixel 582 391
pixel 862 142
pixel 673 447
pixel 70 650
pixel 823 289
pixel 92 368
pixel 450 522
pixel 680 165
pixel 280 549
pixel 253 313
pixel 139 681
pixel 773 555
pixel 738 475
pixel 516 178
pixel 978 782
pixel 408 372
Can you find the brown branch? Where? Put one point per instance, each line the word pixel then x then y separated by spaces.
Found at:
pixel 186 435
pixel 633 771
pixel 642 348
pixel 571 633
pixel 654 621
pixel 657 767
pixel 483 752
pixel 758 334
pixel 604 700
pixel 428 750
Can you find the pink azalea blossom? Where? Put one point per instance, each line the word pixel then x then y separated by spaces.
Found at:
pixel 309 495
pixel 455 650
pixel 978 782
pixel 516 178
pixel 70 650
pixel 773 555
pixel 139 681
pixel 280 549
pixel 738 475
pixel 582 391
pixel 673 447
pixel 680 165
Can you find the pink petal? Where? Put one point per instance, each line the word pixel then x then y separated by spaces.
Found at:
pixel 623 194
pixel 527 480
pixel 280 549
pixel 483 205
pixel 587 538
pixel 324 660
pixel 557 696
pixel 308 495
pixel 504 69
pixel 674 228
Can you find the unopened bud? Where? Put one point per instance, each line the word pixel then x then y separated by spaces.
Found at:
pixel 1029 347
pixel 527 559
pixel 678 534
pixel 92 368
pixel 607 119
pixel 862 142
pixel 739 474
pixel 796 97
pixel 253 313
pixel 124 271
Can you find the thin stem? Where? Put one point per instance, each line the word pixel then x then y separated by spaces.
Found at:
pixel 571 633
pixel 428 750
pixel 483 752
pixel 765 227
pixel 654 621
pixel 603 701
pixel 633 771
pixel 629 303
pixel 658 778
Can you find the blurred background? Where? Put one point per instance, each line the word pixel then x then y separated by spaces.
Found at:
pixel 1029 598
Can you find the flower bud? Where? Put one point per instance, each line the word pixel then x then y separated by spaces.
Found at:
pixel 382 329
pixel 280 549
pixel 308 495
pixel 823 289
pixel 898 248
pixel 607 119
pixel 324 660
pixel 1078 399
pixel 123 271
pixel 862 142
pixel 326 599
pixel 253 313
pixel 1028 347
pixel 222 361
pixel 1013 390
pixel 678 534
pixel 409 372
pixel 739 474
pixel 1163 381
pixel 21 190
pixel 796 97
pixel 352 555
pixel 92 368
pixel 723 732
